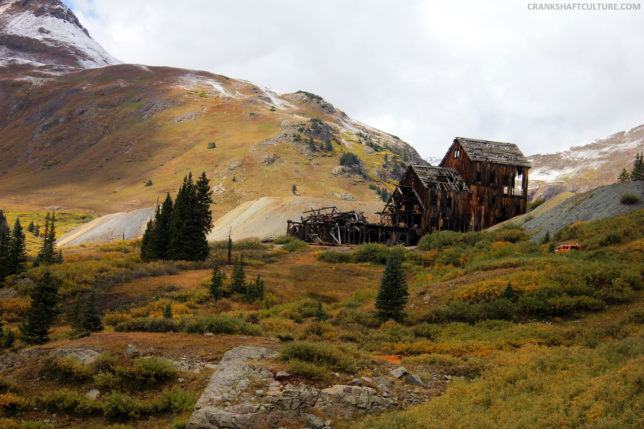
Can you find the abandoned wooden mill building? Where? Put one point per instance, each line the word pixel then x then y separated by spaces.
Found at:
pixel 479 183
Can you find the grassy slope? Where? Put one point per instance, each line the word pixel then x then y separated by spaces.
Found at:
pixel 565 365
pixel 92 139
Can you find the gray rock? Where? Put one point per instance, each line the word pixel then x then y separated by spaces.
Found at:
pixel 84 356
pixel 314 421
pixel 414 380
pixel 357 381
pixel 93 394
pixel 399 372
pixel 345 401
pixel 348 197
pixel 225 403
pixel 209 334
pixel 282 374
pixel 132 352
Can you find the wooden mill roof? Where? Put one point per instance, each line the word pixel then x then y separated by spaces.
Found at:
pixel 494 152
pixel 441 178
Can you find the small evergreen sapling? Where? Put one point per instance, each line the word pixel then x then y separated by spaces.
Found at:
pixel 91 319
pixel 167 311
pixel 216 283
pixel 392 295
pixel 43 311
pixel 509 293
pixel 238 277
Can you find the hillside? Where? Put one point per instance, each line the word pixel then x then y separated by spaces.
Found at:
pixel 585 167
pixel 77 135
pixel 479 353
pixel 567 208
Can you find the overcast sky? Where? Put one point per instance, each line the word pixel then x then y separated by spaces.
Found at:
pixel 424 70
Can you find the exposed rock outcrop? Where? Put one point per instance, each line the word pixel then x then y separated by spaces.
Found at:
pixel 243 393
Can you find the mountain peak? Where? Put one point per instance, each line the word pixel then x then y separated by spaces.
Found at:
pixel 46 33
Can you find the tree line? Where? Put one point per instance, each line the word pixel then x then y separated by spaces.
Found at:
pixel 637 173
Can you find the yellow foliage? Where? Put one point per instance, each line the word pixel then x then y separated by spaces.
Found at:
pixel 486 290
pixel 12 402
pixel 13 309
pixel 113 318
pixel 277 324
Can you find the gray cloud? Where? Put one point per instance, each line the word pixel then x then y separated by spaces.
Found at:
pixel 423 70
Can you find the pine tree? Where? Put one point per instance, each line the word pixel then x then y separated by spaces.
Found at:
pixel 43 311
pixel 91 318
pixel 509 293
pixel 238 277
pixel 189 224
pixel 17 255
pixel 167 311
pixel 392 295
pixel 48 250
pixel 255 291
pixel 638 168
pixel 145 241
pixel 546 238
pixel 5 239
pixel 216 283
pixel 204 200
pixel 624 177
pixel 31 227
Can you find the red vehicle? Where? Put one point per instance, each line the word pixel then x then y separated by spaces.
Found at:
pixel 567 247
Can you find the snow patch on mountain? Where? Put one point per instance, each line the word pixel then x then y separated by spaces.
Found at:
pixel 57 32
pixel 193 81
pixel 275 99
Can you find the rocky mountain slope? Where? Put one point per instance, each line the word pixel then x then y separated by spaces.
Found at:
pixel 115 138
pixel 586 167
pixel 567 208
pixel 47 36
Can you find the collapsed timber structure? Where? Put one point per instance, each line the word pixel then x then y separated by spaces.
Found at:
pixel 479 183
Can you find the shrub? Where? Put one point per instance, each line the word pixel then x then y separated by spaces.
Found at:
pixel 212 145
pixel 311 370
pixel 69 402
pixel 371 252
pixel 104 362
pixel 349 159
pixel 120 406
pixel 536 203
pixel 320 354
pixel 114 318
pixel 66 369
pixel 512 234
pixel 10 402
pixel 426 330
pixel 149 324
pixel 220 324
pixel 334 257
pixel 629 199
pixel 295 245
pixel 283 239
pixel 438 240
pixel 175 401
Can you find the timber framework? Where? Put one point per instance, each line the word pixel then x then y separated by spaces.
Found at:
pixel 479 183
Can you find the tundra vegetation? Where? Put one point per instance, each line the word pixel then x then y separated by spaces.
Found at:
pixel 504 332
